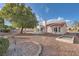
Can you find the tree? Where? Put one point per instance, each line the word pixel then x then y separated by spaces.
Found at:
pixel 20 15
pixel 76 24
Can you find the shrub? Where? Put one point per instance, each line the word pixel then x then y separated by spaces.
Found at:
pixel 6 30
pixel 4 44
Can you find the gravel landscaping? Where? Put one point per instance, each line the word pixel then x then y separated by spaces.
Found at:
pixel 50 46
pixel 24 49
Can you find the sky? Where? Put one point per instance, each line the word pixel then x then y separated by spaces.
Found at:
pixel 47 11
pixel 53 10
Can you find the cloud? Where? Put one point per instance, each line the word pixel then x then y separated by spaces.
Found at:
pixel 68 20
pixel 41 21
pixel 56 19
pixel 60 18
pixel 39 18
pixel 69 23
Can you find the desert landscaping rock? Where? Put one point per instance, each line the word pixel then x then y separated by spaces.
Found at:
pixel 25 49
pixel 50 46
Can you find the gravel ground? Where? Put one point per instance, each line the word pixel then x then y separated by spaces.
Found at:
pixel 23 48
pixel 50 46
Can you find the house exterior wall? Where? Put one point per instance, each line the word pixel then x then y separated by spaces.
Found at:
pixel 49 29
pixel 63 29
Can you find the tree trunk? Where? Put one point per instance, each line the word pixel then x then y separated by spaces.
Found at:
pixel 21 30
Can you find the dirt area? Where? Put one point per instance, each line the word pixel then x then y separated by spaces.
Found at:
pixel 50 46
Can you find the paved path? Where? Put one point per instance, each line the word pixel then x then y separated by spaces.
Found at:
pixel 23 49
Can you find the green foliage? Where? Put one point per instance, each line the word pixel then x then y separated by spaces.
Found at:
pixel 1 22
pixel 6 11
pixel 20 15
pixel 5 27
pixel 6 30
pixel 4 44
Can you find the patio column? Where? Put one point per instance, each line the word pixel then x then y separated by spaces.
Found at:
pixel 45 26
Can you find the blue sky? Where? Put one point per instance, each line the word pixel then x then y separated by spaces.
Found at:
pixel 46 11
pixel 53 10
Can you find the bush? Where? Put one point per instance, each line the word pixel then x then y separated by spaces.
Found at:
pixel 4 44
pixel 6 30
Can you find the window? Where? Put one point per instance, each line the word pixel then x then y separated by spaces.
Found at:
pixel 55 29
pixel 59 29
pixel 41 29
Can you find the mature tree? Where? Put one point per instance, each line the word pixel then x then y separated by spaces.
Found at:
pixel 20 15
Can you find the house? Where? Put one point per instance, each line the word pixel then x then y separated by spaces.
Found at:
pixel 55 27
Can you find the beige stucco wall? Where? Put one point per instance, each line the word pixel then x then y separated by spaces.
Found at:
pixel 49 29
pixel 63 30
